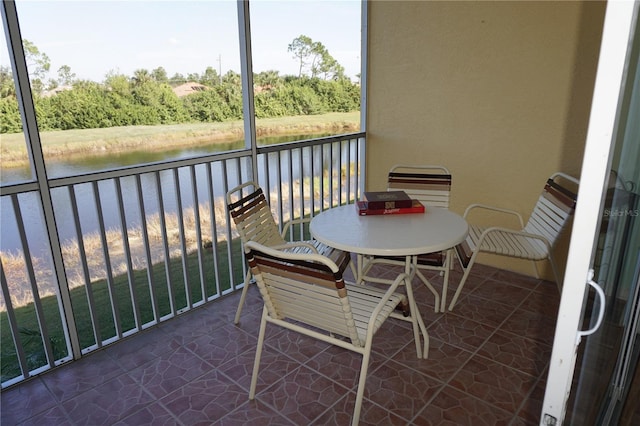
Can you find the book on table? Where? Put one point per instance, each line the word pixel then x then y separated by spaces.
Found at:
pixel 364 210
pixel 387 199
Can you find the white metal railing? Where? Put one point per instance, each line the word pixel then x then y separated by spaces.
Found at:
pixel 141 245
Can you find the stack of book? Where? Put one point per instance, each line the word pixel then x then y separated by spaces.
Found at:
pixel 388 202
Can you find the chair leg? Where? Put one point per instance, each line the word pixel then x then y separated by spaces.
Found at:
pixel 361 382
pixel 363 265
pixel 445 281
pixel 243 296
pixel 466 270
pixel 436 296
pixel 535 268
pixel 354 270
pixel 416 319
pixel 256 362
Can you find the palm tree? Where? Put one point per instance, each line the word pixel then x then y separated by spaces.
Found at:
pixel 141 76
pixel 267 80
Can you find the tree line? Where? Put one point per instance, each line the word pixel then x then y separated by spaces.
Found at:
pixel 147 97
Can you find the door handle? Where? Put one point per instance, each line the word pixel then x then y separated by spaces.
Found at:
pixel 600 293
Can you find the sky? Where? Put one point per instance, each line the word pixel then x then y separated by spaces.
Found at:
pixel 97 37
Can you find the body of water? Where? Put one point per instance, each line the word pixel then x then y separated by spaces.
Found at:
pixel 106 191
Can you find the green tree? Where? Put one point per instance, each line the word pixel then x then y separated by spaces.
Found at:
pixel 38 63
pixel 141 76
pixel 160 75
pixel 210 77
pixel 305 101
pixel 329 67
pixel 81 108
pixel 146 98
pixel 230 91
pixel 207 106
pixel 171 109
pixel 339 96
pixel 37 86
pixel 302 49
pixel 315 58
pixel 7 86
pixel 53 83
pixel 177 79
pixel 194 76
pixel 118 83
pixel 10 121
pixel 65 76
pixel 267 80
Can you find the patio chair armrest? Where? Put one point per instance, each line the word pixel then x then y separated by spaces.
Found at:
pixel 387 295
pixel 288 225
pixel 495 209
pixel 300 220
pixel 512 231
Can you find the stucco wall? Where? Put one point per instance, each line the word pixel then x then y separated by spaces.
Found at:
pixel 499 92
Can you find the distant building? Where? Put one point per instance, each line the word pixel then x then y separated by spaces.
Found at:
pixel 189 88
pixel 265 88
pixel 55 91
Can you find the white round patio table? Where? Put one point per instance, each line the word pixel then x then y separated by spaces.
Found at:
pixel 389 235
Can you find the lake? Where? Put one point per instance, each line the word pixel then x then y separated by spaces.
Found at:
pixel 30 204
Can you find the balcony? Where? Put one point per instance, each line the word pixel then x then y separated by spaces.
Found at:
pixel 487 365
pixel 488 357
pixel 162 244
pixel 486 107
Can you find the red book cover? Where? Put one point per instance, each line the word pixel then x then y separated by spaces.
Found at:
pixel 387 199
pixel 363 210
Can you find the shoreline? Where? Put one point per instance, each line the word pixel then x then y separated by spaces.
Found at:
pixel 98 142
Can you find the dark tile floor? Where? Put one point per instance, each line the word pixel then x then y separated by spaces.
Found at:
pixel 487 365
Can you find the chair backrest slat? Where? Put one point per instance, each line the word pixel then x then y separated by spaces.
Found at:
pixel 548 216
pixel 310 292
pixel 252 216
pixel 552 211
pixel 431 185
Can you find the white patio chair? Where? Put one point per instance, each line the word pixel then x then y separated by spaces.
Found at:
pixel 534 242
pixel 431 185
pixel 306 293
pixel 254 221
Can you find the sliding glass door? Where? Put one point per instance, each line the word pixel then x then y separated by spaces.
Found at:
pixel 599 315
